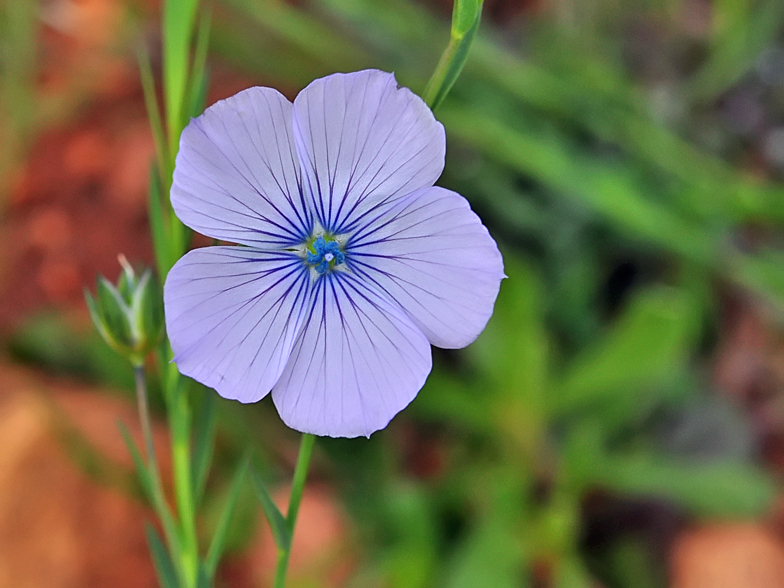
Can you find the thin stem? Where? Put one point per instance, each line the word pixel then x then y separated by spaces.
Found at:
pixel 437 80
pixel 144 413
pixel 281 567
pixel 179 425
pixel 297 488
pixel 300 475
pixel 156 488
pixel 452 61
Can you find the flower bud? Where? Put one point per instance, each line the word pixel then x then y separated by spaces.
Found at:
pixel 129 316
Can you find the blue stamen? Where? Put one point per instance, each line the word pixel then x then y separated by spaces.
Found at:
pixel 326 253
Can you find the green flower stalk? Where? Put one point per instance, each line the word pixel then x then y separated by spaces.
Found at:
pixel 129 317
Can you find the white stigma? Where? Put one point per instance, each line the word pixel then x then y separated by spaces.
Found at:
pixel 328 257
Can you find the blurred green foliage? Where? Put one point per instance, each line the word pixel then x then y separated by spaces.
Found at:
pixel 620 223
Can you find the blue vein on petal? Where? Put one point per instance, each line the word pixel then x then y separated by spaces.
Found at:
pixel 304 222
pixel 350 287
pixel 250 169
pixel 293 268
pixel 297 233
pixel 347 224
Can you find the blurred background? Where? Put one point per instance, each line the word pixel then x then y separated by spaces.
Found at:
pixel 619 424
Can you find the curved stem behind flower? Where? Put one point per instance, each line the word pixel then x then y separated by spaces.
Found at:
pixel 297 488
pixel 465 23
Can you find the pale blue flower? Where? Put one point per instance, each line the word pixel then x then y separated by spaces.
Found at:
pixel 354 263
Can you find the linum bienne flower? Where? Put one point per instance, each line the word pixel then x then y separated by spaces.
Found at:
pixel 353 265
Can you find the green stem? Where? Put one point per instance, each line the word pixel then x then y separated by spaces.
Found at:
pixel 156 488
pixel 438 79
pixel 179 424
pixel 144 413
pixel 281 567
pixel 450 65
pixel 297 488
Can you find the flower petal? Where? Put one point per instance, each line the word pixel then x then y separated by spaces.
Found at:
pixel 233 315
pixel 237 176
pixel 431 254
pixel 363 140
pixel 359 360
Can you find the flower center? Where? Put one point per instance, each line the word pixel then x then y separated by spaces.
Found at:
pixel 324 254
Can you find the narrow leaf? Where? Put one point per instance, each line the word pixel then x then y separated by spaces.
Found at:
pixel 645 347
pixel 513 351
pixel 204 434
pixel 613 193
pixel 198 80
pixel 734 53
pixel 492 552
pixel 277 522
pixel 179 17
pixel 513 347
pixel 712 490
pixel 151 486
pixel 138 461
pixel 219 539
pixel 164 568
pixel 153 110
pixel 158 224
pixel 310 35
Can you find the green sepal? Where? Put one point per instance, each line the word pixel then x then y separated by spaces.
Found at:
pixel 164 568
pixel 126 284
pixel 147 312
pixel 219 538
pixel 113 316
pixel 276 520
pixel 95 316
pixel 129 316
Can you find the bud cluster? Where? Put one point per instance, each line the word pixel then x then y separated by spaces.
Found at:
pixel 129 316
